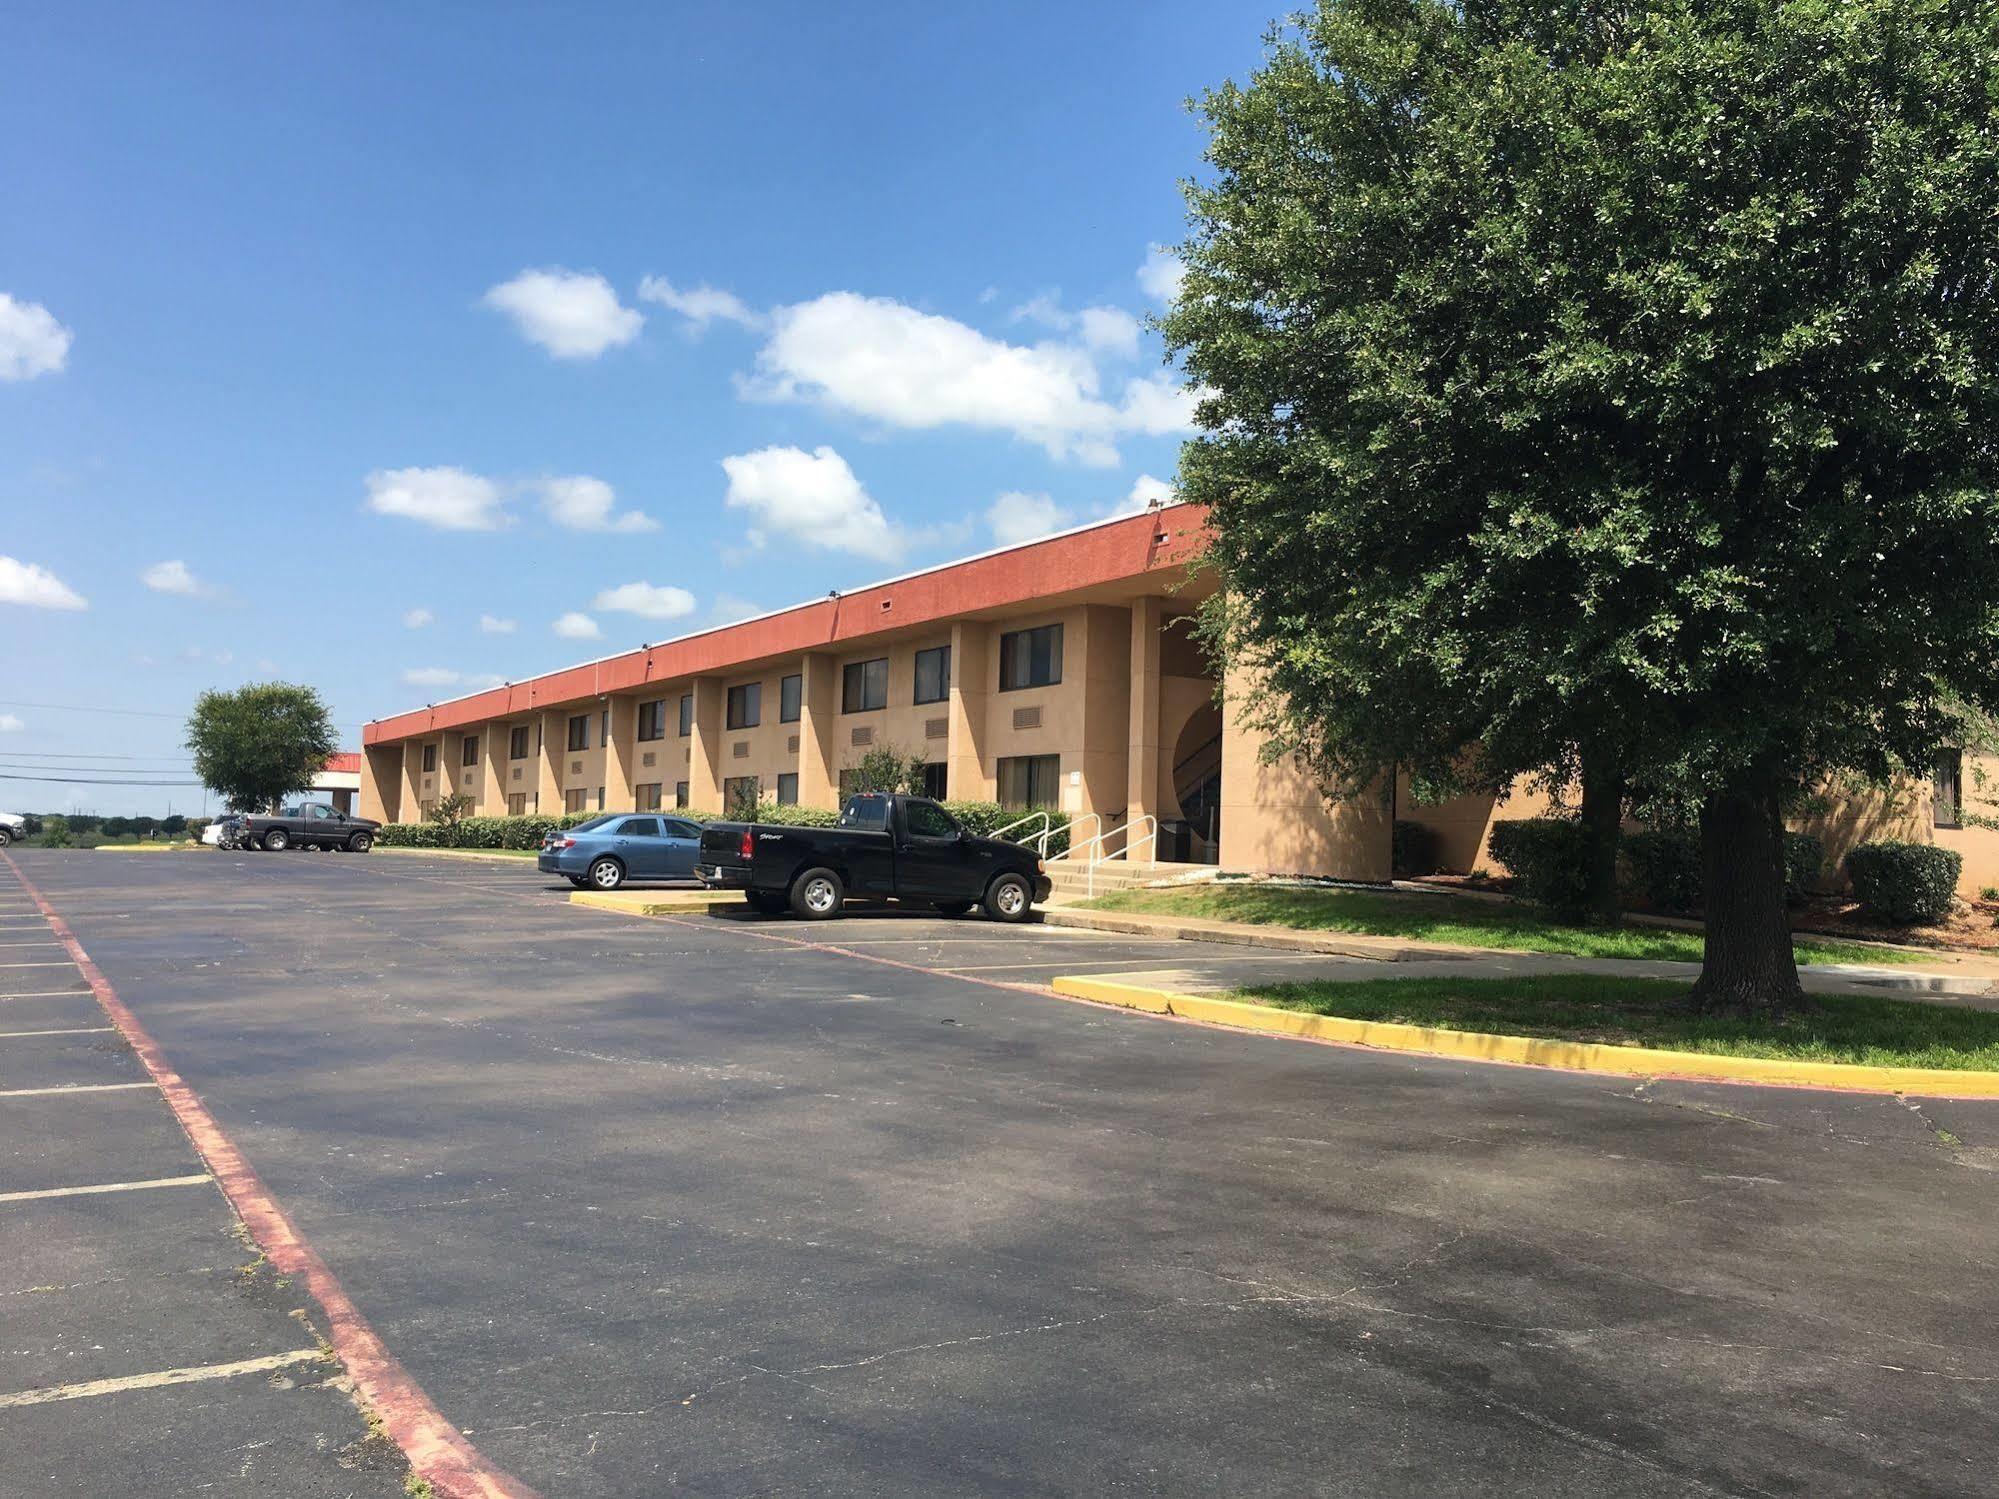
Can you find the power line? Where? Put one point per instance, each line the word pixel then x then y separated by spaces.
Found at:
pixel 88 708
pixel 88 781
pixel 14 754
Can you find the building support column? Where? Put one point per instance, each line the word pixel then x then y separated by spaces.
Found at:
pixel 971 775
pixel 450 770
pixel 621 755
pixel 818 784
pixel 381 783
pixel 1145 774
pixel 704 763
pixel 412 794
pixel 494 743
pixel 553 728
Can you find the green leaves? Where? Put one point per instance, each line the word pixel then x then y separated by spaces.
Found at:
pixel 261 743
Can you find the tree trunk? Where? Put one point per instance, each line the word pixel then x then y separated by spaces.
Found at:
pixel 1603 817
pixel 1749 965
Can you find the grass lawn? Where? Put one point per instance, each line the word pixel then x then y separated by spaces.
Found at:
pixel 1447 918
pixel 1653 1012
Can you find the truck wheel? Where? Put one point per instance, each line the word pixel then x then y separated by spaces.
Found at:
pixel 360 843
pixel 817 894
pixel 6 837
pixel 766 903
pixel 277 839
pixel 953 907
pixel 607 874
pixel 1008 898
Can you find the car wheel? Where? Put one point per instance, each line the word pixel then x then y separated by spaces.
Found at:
pixel 953 907
pixel 817 894
pixel 765 903
pixel 277 839
pixel 1008 898
pixel 360 843
pixel 607 874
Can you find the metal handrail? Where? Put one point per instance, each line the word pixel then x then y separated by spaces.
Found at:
pixel 1070 828
pixel 1128 848
pixel 1023 822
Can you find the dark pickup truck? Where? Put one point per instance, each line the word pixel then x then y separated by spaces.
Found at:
pixel 903 848
pixel 313 825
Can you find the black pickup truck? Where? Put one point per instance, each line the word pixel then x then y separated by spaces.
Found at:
pixel 313 825
pixel 903 848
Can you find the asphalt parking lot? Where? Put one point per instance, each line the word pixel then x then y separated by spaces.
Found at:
pixel 729 1206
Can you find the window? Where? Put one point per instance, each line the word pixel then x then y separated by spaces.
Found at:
pixel 746 705
pixel 652 720
pixel 741 793
pixel 637 827
pixel 936 780
pixel 927 820
pixel 686 714
pixel 604 732
pixel 576 801
pixel 868 810
pixel 677 829
pixel 790 694
pixel 427 806
pixel 517 802
pixel 517 744
pixel 429 757
pixel 787 788
pixel 647 795
pixel 470 755
pixel 680 794
pixel 600 798
pixel 1030 781
pixel 579 732
pixel 1946 788
pixel 864 686
pixel 933 674
pixel 1031 658
pixel 850 781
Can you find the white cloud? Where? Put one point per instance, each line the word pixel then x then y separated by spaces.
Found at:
pixel 811 497
pixel 700 305
pixel 416 619
pixel 1016 517
pixel 1109 330
pixel 574 626
pixel 1145 490
pixel 1045 308
pixel 880 359
pixel 448 498
pixel 11 723
pixel 175 577
pixel 728 608
pixel 1160 275
pixel 31 584
pixel 444 676
pixel 584 504
pixel 32 342
pixel 1158 405
pixel 572 314
pixel 492 624
pixel 647 600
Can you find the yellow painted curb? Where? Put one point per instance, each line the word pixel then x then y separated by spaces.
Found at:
pixel 525 856
pixel 141 848
pixel 1572 1056
pixel 652 902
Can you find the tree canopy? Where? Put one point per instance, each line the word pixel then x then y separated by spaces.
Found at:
pixel 261 743
pixel 1613 376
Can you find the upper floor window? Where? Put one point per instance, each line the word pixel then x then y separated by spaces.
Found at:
pixel 652 720
pixel 430 757
pixel 790 696
pixel 1031 658
pixel 686 714
pixel 517 743
pixel 933 674
pixel 579 732
pixel 746 705
pixel 470 754
pixel 864 686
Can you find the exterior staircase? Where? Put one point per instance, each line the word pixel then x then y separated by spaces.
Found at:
pixel 1072 882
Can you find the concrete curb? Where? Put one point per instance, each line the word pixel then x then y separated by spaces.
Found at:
pixel 653 902
pixel 492 855
pixel 1566 1056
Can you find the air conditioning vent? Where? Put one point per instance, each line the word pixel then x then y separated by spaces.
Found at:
pixel 1027 718
pixel 865 735
pixel 741 750
pixel 647 759
pixel 936 728
pixel 791 744
pixel 517 772
pixel 576 766
pixel 426 783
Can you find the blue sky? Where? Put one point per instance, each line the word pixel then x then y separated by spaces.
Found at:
pixel 360 345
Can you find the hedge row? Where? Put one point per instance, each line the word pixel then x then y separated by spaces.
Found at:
pixel 977 818
pixel 1665 865
pixel 1906 883
pixel 1549 860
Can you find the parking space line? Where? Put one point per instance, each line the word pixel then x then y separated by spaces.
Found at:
pixel 91 1191
pixel 78 1030
pixel 63 963
pixel 73 1088
pixel 159 1379
pixel 45 994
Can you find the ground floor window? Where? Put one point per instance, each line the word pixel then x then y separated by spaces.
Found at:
pixel 936 780
pixel 787 788
pixel 577 800
pixel 680 794
pixel 1946 787
pixel 1030 781
pixel 600 798
pixel 740 795
pixel 425 807
pixel 648 796
pixel 850 783
pixel 517 803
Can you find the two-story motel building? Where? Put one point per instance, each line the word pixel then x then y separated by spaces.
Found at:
pixel 1059 673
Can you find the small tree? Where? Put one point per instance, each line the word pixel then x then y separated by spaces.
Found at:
pixel 886 768
pixel 261 743
pixel 173 825
pixel 745 801
pixel 145 827
pixel 117 827
pixel 449 811
pixel 55 833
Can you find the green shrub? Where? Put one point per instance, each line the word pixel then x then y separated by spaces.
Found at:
pixel 55 833
pixel 1905 883
pixel 1665 865
pixel 1413 848
pixel 1804 863
pixel 1549 860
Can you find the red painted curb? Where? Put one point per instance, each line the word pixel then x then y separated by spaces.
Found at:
pixel 437 1450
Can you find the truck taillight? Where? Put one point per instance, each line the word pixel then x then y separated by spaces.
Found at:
pixel 744 847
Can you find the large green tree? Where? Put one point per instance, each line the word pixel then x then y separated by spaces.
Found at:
pixel 261 743
pixel 1609 384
